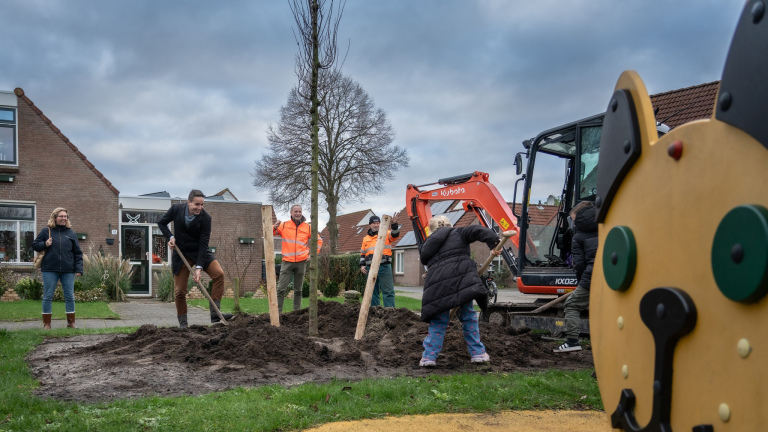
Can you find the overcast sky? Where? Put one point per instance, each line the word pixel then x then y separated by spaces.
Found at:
pixel 174 95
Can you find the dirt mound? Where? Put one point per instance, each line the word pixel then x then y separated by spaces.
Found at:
pixel 250 351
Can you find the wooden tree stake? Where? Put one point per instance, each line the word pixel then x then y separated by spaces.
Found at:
pixel 236 291
pixel 373 275
pixel 269 263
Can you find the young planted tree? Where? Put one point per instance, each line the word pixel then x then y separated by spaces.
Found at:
pixel 316 29
pixel 355 141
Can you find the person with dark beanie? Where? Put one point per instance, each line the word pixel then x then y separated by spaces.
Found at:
pixel 583 249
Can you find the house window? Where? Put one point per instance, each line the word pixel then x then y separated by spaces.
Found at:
pixel 399 268
pixel 17 232
pixel 7 136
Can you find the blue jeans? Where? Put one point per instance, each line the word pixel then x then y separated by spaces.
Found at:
pixel 433 343
pixel 50 279
pixel 385 284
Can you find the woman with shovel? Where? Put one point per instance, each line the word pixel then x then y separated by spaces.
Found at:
pixel 452 281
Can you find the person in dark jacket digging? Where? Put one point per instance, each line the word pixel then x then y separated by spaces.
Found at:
pixel 583 249
pixel 452 281
pixel 191 232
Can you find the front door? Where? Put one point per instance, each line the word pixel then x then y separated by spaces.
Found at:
pixel 136 250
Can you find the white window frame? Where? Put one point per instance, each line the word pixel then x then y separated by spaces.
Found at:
pixel 13 125
pixel 399 262
pixel 33 221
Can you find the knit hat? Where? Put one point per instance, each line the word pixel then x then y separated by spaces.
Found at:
pixel 438 222
pixel 373 219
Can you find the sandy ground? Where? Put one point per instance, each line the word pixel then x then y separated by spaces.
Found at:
pixel 519 421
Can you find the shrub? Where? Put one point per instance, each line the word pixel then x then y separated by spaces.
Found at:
pixel 109 271
pixel 164 283
pixel 304 288
pixel 331 289
pixel 342 269
pixel 29 289
pixel 502 274
pixel 93 294
pixel 79 286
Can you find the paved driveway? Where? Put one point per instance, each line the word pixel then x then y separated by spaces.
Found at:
pixel 133 313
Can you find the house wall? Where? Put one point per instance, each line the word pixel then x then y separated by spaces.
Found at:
pixel 412 269
pixel 52 173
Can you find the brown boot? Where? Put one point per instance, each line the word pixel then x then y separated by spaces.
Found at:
pixel 46 321
pixel 71 320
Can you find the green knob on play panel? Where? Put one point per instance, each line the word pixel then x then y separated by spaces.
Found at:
pixel 740 254
pixel 619 258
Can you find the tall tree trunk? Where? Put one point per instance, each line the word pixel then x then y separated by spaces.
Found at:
pixel 315 168
pixel 333 227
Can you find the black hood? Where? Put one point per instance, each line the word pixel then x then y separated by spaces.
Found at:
pixel 586 220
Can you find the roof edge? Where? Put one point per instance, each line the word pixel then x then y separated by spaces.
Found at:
pixel 20 93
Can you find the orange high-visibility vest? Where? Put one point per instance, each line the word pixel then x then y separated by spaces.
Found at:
pixel 369 244
pixel 295 244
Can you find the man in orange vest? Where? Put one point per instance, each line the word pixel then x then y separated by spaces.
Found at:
pixel 295 235
pixel 384 281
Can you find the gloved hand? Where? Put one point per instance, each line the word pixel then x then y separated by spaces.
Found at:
pixel 394 226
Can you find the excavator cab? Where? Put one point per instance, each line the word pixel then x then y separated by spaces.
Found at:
pixel 561 172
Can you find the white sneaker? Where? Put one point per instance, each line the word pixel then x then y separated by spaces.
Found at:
pixel 427 363
pixel 568 347
pixel 481 358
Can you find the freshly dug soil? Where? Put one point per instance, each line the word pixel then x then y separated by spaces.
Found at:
pixel 251 352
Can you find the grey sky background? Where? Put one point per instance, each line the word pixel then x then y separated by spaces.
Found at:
pixel 174 95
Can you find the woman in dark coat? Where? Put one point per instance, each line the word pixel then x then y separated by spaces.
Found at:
pixel 452 281
pixel 62 261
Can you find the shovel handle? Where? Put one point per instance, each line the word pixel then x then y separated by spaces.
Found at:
pixel 200 285
pixel 504 237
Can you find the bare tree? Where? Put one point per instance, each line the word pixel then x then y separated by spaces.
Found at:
pixel 238 258
pixel 356 152
pixel 316 30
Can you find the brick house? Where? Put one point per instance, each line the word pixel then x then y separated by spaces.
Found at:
pixel 353 227
pixel 40 169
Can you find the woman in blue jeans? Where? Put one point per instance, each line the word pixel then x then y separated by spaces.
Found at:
pixel 62 261
pixel 452 281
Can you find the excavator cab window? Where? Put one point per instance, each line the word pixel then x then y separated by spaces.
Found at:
pixel 588 153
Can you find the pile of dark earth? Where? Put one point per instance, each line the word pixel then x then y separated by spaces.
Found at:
pixel 251 352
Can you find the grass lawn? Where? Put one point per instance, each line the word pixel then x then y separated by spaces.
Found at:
pixel 275 407
pixel 32 309
pixel 261 305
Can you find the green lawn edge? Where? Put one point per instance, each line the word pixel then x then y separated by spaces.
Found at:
pixel 275 407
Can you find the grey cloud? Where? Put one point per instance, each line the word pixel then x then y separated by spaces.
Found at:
pixel 135 83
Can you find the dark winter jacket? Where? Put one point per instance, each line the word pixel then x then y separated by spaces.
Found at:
pixel 452 278
pixel 64 254
pixel 584 246
pixel 192 240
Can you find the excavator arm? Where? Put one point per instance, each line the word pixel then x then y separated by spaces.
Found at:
pixel 477 194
